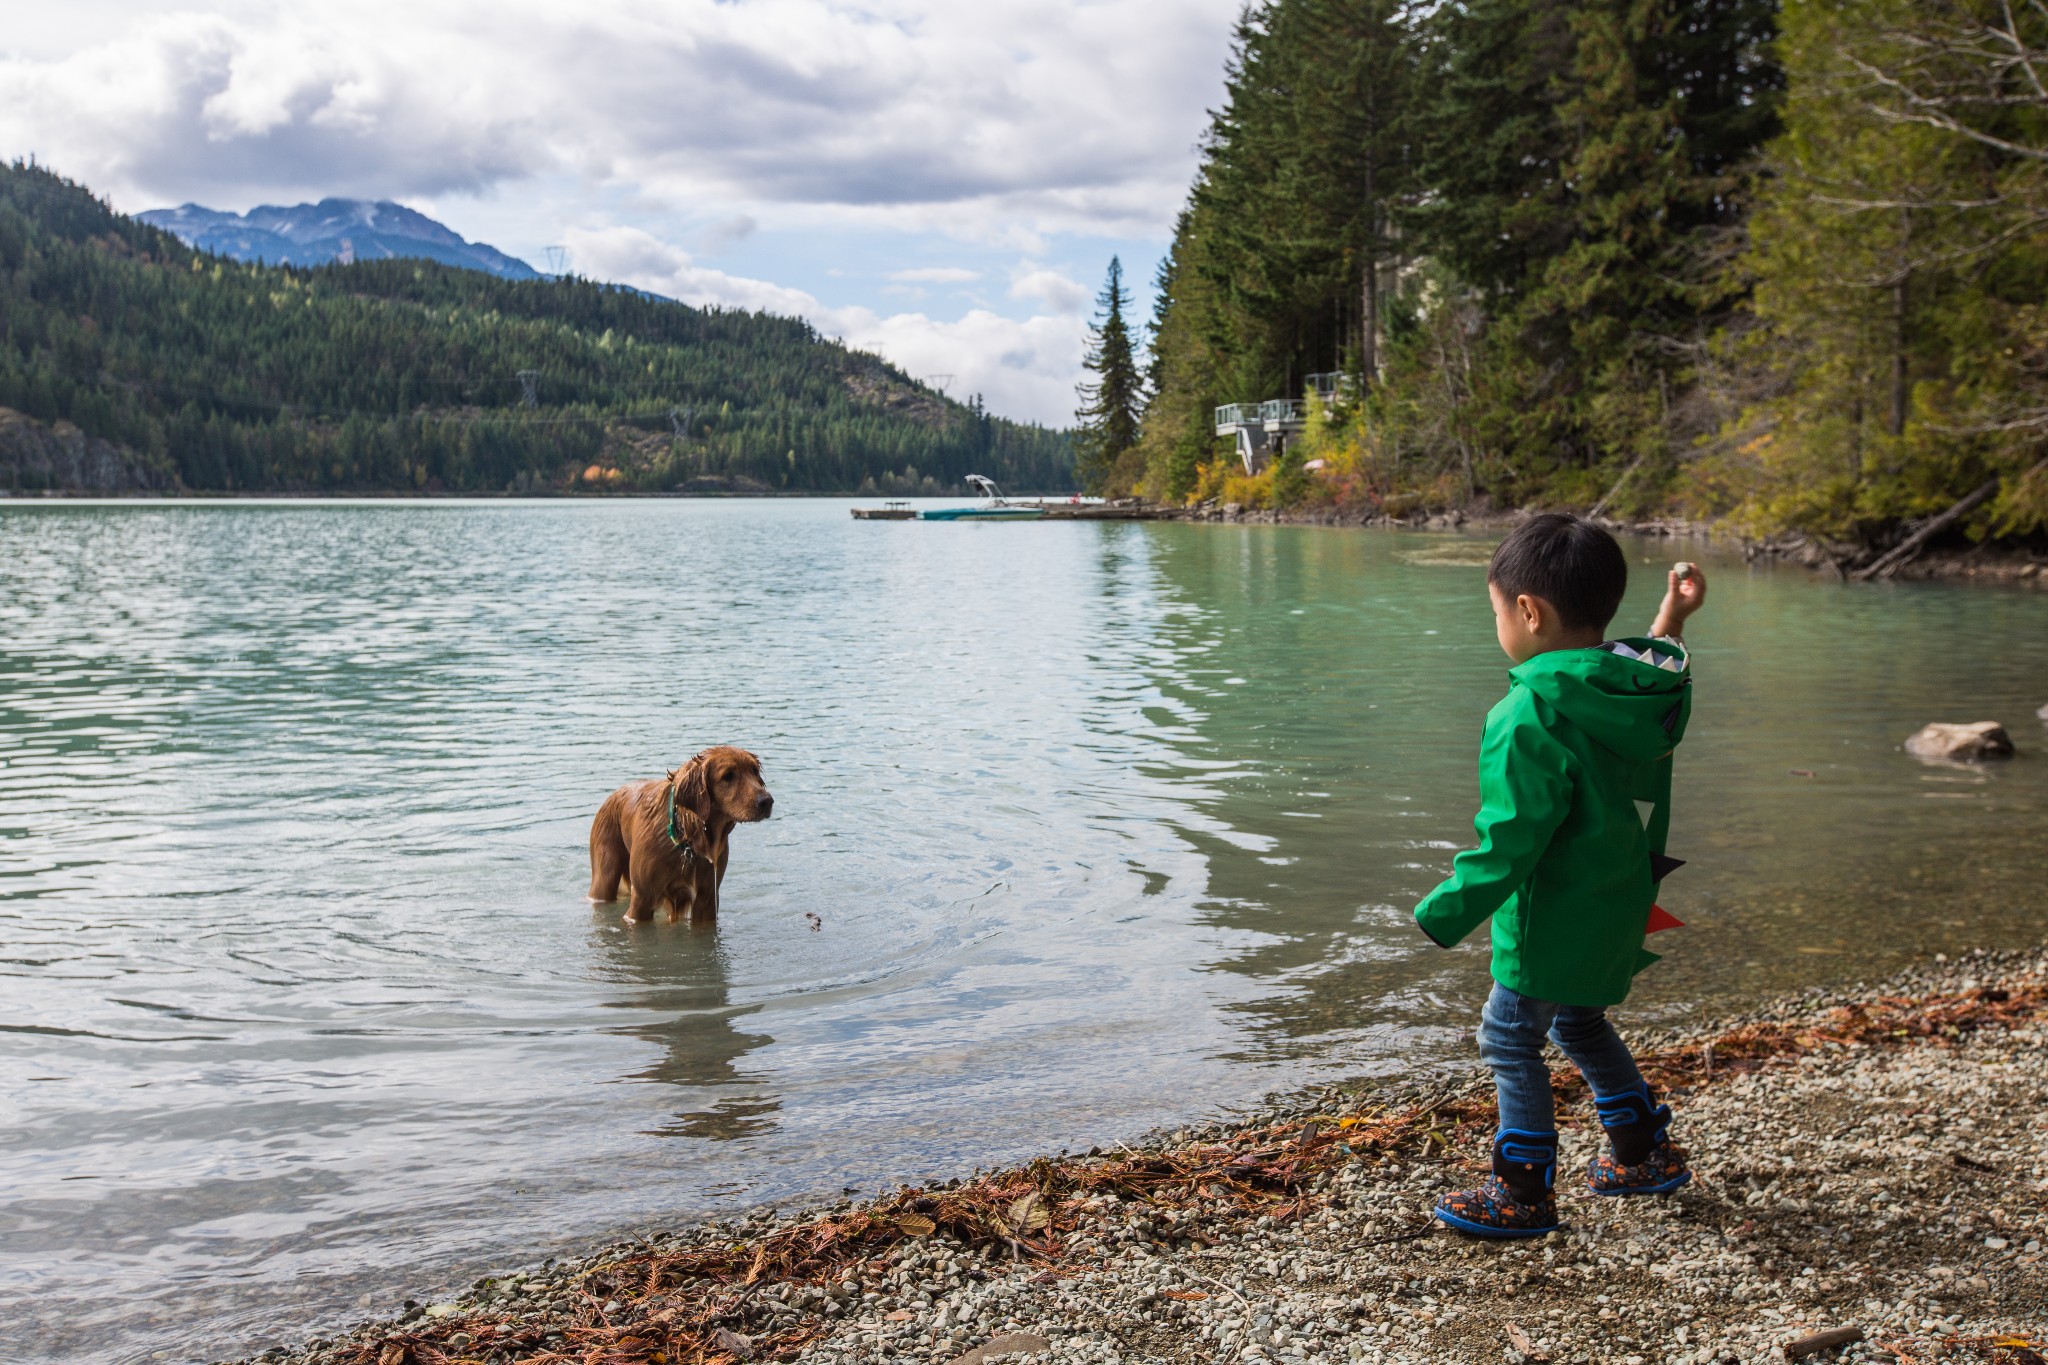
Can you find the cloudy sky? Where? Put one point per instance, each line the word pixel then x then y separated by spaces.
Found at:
pixel 943 181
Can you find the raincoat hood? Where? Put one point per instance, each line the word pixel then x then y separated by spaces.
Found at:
pixel 1628 695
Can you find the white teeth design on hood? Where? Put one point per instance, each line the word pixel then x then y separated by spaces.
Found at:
pixel 1650 656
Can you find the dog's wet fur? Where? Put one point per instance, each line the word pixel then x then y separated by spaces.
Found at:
pixel 629 842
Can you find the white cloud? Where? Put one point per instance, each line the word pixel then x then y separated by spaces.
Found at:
pixel 1007 124
pixel 1023 368
pixel 935 274
pixel 198 107
pixel 630 255
pixel 1000 117
pixel 1048 288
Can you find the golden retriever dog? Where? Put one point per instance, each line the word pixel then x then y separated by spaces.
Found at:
pixel 668 839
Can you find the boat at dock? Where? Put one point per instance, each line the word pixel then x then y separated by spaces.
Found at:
pixel 992 507
pixel 888 511
pixel 1013 512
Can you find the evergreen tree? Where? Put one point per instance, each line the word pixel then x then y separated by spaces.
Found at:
pixel 1368 163
pixel 1176 436
pixel 1497 150
pixel 1293 237
pixel 1610 140
pixel 1308 164
pixel 1505 215
pixel 1106 424
pixel 1900 263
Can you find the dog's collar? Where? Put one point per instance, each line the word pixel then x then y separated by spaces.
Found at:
pixel 675 834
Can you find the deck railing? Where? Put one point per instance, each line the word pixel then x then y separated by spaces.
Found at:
pixel 1279 411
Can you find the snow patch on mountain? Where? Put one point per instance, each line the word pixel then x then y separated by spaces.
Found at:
pixel 333 230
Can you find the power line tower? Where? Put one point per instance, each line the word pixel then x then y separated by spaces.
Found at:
pixel 941 381
pixel 529 388
pixel 680 419
pixel 558 260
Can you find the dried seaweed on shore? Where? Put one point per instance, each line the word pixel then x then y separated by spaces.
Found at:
pixel 1996 1350
pixel 717 1302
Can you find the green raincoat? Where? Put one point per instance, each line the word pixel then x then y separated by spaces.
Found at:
pixel 1575 799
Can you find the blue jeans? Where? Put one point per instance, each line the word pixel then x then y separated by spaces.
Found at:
pixel 1511 1033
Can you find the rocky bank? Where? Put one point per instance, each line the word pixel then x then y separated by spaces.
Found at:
pixel 2022 561
pixel 35 457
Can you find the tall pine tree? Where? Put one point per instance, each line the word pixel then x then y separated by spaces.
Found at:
pixel 1292 241
pixel 1589 157
pixel 1899 259
pixel 1106 424
pixel 1177 435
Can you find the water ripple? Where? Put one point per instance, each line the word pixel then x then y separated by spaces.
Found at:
pixel 1107 826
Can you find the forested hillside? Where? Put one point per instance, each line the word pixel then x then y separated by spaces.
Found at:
pixel 1720 257
pixel 219 376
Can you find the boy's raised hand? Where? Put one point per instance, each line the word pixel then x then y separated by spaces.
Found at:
pixel 1685 593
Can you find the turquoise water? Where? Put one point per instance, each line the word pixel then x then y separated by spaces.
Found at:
pixel 1107 825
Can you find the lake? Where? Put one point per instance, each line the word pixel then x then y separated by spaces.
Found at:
pixel 1108 826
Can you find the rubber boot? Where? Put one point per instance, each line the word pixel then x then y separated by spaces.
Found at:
pixel 1516 1199
pixel 1640 1157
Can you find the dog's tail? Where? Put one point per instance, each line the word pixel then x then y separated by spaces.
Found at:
pixel 609 861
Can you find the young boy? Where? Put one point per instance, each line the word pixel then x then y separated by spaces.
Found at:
pixel 1575 800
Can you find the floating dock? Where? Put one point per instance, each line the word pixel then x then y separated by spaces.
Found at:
pixel 1041 511
pixel 995 507
pixel 1096 511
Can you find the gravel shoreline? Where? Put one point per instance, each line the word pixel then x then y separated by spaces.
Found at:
pixel 1874 1159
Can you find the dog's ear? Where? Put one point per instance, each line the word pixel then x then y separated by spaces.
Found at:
pixel 693 788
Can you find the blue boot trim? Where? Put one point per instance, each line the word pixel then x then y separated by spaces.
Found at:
pixel 1492 1231
pixel 1633 1121
pixel 1633 1107
pixel 1515 1200
pixel 1519 1155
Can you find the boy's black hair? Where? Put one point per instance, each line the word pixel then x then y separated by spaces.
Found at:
pixel 1568 562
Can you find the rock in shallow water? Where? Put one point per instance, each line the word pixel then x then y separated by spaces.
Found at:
pixel 1961 743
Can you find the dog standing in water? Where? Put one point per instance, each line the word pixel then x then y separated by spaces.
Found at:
pixel 668 839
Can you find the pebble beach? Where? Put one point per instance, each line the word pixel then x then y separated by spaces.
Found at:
pixel 1871 1184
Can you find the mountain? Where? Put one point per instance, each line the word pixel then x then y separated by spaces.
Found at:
pixel 333 230
pixel 130 359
